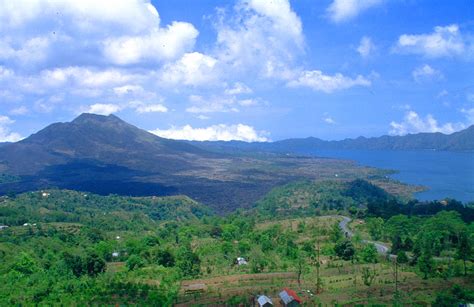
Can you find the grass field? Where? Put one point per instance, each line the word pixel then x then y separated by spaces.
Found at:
pixel 342 286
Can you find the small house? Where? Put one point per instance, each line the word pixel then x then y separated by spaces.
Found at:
pixel 115 254
pixel 3 227
pixel 290 298
pixel 264 301
pixel 241 261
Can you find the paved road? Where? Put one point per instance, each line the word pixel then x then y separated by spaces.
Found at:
pixel 381 248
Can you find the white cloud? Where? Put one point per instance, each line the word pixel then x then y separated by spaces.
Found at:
pixel 5 134
pixel 316 80
pixel 151 108
pixel 212 104
pixel 469 113
pixel 86 15
pixel 442 94
pixel 128 89
pixel 343 10
pixel 19 111
pixel 83 77
pixel 238 88
pixel 192 69
pixel 262 36
pixel 5 73
pixel 426 73
pixel 329 120
pixel 444 41
pixel 140 107
pixel 161 44
pixel 203 117
pixel 413 123
pixel 103 108
pixel 366 47
pixel 222 132
pixel 119 32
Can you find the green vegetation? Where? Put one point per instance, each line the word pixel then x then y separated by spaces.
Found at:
pixel 72 248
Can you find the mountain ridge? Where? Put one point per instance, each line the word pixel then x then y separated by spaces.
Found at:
pixel 458 141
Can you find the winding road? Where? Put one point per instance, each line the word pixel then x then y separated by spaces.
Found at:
pixel 381 248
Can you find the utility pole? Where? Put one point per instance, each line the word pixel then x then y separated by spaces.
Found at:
pixel 395 275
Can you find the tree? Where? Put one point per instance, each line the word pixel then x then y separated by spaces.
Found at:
pixel 25 264
pixel 316 260
pixel 300 262
pixel 368 275
pixel 134 262
pixel 375 227
pixel 402 257
pixel 227 248
pixel 464 250
pixel 165 258
pixel 258 262
pixel 336 233
pixel 369 253
pixel 188 262
pixel 425 264
pixel 94 264
pixel 345 250
pixel 74 263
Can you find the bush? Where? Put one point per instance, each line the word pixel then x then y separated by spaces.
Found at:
pixel 134 262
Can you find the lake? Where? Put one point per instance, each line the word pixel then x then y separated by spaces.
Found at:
pixel 446 174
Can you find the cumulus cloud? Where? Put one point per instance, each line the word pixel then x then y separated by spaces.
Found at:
pixel 5 134
pixel 192 69
pixel 103 108
pixel 442 42
pixel 343 10
pixel 262 35
pixel 366 47
pixel 119 32
pixel 426 73
pixel 161 44
pixel 222 132
pixel 318 81
pixel 413 123
pixel 238 88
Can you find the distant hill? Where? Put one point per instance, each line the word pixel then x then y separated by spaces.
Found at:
pixel 105 155
pixel 458 141
pixel 105 212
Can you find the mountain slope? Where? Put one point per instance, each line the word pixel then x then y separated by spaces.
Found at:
pixel 105 139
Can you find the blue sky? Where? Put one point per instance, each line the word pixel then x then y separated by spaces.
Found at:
pixel 249 70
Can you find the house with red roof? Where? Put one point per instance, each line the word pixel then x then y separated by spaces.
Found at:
pixel 289 298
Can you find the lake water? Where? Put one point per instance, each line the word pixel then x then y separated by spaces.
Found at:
pixel 446 174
